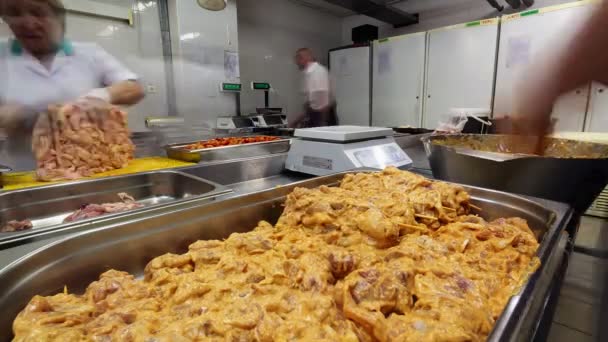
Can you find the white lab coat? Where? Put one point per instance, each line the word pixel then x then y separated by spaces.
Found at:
pixel 24 81
pixel 318 94
pixel 317 86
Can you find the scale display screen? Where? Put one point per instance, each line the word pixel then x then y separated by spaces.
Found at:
pixel 379 157
pixel 242 122
pixel 232 87
pixel 260 86
pixel 273 120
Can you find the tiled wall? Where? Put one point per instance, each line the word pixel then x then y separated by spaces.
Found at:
pixel 270 31
pixel 139 47
pixel 200 39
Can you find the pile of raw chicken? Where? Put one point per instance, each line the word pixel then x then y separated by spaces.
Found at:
pixel 78 140
pixel 388 256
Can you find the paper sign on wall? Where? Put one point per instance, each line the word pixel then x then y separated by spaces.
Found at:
pixel 384 59
pixel 344 68
pixel 518 51
pixel 232 70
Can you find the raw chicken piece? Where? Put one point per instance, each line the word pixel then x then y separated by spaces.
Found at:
pixel 75 141
pixel 16 226
pixel 93 210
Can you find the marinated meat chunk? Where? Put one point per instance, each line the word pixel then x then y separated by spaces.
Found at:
pixel 342 263
pixel 372 294
pixel 206 252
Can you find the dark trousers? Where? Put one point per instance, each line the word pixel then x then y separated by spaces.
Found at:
pixel 321 119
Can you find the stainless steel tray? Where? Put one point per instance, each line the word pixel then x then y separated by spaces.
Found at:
pixel 129 246
pixel 574 181
pixel 48 206
pixel 179 152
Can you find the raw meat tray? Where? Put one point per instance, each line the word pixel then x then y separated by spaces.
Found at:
pixel 180 152
pixel 47 207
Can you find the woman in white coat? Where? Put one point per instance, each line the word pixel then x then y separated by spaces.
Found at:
pixel 39 67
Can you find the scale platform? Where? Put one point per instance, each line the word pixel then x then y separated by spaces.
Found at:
pixel 344 133
pixel 326 150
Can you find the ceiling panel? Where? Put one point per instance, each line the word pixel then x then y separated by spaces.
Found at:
pixel 417 6
pixel 326 7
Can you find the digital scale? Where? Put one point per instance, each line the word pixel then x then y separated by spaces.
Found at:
pixel 234 123
pixel 326 150
pixel 269 118
pixel 264 118
pixel 252 121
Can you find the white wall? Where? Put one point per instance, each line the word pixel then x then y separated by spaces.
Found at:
pixel 200 38
pixel 350 22
pixel 435 14
pixel 138 47
pixel 270 31
pixel 4 30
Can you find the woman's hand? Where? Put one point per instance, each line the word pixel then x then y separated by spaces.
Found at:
pixel 126 93
pixel 98 94
pixel 122 93
pixel 583 61
pixel 12 117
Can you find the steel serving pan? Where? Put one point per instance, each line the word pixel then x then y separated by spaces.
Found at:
pixel 568 180
pixel 3 169
pixel 48 206
pixel 412 130
pixel 180 152
pixel 129 245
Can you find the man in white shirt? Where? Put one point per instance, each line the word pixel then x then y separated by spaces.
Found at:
pixel 40 67
pixel 319 109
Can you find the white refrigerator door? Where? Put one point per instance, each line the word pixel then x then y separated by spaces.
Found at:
pixel 597 118
pixel 460 70
pixel 529 42
pixel 398 78
pixel 350 72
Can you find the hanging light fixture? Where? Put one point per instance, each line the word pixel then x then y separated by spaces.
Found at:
pixel 213 5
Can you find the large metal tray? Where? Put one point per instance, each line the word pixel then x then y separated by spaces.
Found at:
pixel 128 246
pixel 48 206
pixel 574 181
pixel 180 152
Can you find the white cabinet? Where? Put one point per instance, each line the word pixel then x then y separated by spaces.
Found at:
pixel 570 109
pixel 597 116
pixel 398 77
pixel 350 71
pixel 530 40
pixel 460 69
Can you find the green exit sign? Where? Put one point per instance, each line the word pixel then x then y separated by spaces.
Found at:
pixel 231 87
pixel 260 86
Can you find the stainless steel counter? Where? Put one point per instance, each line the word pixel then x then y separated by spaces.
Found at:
pixel 9 255
pixel 413 146
pixel 252 175
pixel 48 208
pixel 243 177
pixel 129 245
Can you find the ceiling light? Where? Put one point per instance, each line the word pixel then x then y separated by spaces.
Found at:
pixel 213 5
